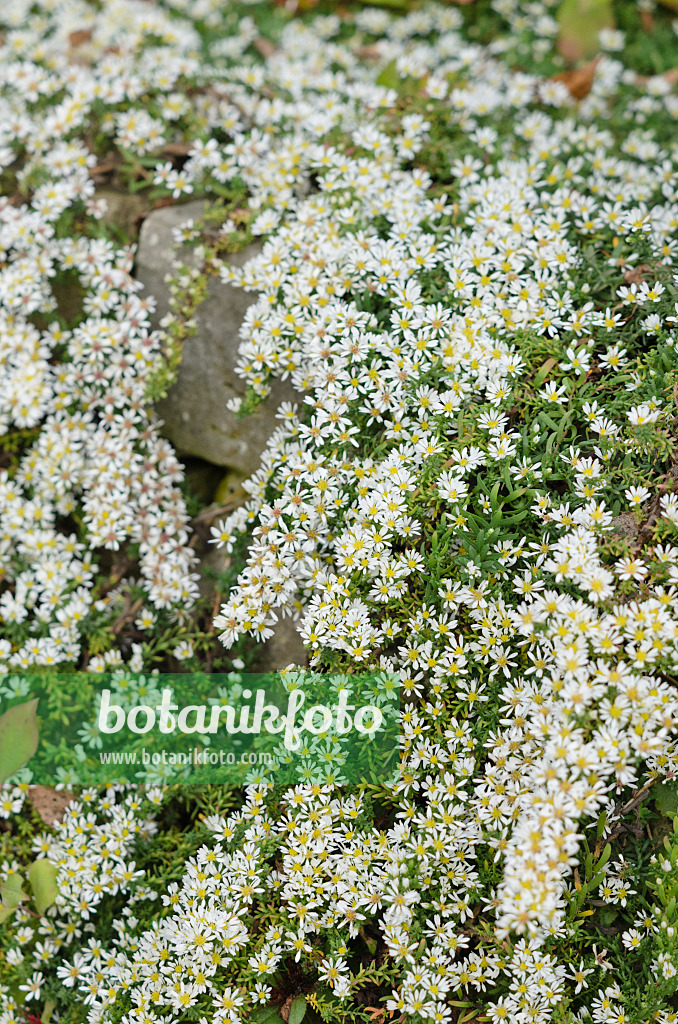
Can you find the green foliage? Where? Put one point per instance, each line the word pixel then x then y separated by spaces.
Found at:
pixel 297 1010
pixel 501 515
pixel 42 875
pixel 18 737
pixel 12 895
pixel 580 22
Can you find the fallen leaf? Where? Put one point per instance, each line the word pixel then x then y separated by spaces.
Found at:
pixel 176 148
pixel 636 274
pixel 579 81
pixel 105 167
pixel 264 46
pixel 50 804
pixel 544 370
pixel 80 36
pixel 368 52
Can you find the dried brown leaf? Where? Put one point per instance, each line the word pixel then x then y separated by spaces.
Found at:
pixel 634 275
pixel 579 81
pixel 106 166
pixel 50 804
pixel 176 148
pixel 368 52
pixel 264 46
pixel 80 36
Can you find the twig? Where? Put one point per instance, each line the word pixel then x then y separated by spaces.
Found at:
pixel 620 812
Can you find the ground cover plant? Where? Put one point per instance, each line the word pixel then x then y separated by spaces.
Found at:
pixel 467 270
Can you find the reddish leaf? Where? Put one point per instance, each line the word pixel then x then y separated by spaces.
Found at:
pixel 579 81
pixel 80 36
pixel 50 804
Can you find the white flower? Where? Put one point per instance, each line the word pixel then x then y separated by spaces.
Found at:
pixel 552 393
pixel 636 496
pixel 183 651
pixel 611 39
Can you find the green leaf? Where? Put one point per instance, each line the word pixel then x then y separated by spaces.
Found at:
pixel 547 421
pixel 267 1015
pixel 48 1010
pixel 580 22
pixel 389 77
pixel 544 371
pixel 297 1010
pixel 12 895
pixel 604 857
pixel 397 5
pixel 18 737
pixel 42 875
pixel 518 493
pixel 666 798
pixel 517 518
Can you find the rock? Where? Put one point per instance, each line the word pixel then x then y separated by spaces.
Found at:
pixel 284 648
pixel 230 489
pixel 203 478
pixel 625 526
pixel 195 413
pixel 123 211
pixel 212 560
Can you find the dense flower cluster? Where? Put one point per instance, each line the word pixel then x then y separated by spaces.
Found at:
pixel 468 276
pixel 97 460
pixel 338 529
pixel 92 851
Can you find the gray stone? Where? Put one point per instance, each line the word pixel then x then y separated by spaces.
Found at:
pixel 123 211
pixel 284 648
pixel 625 526
pixel 196 417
